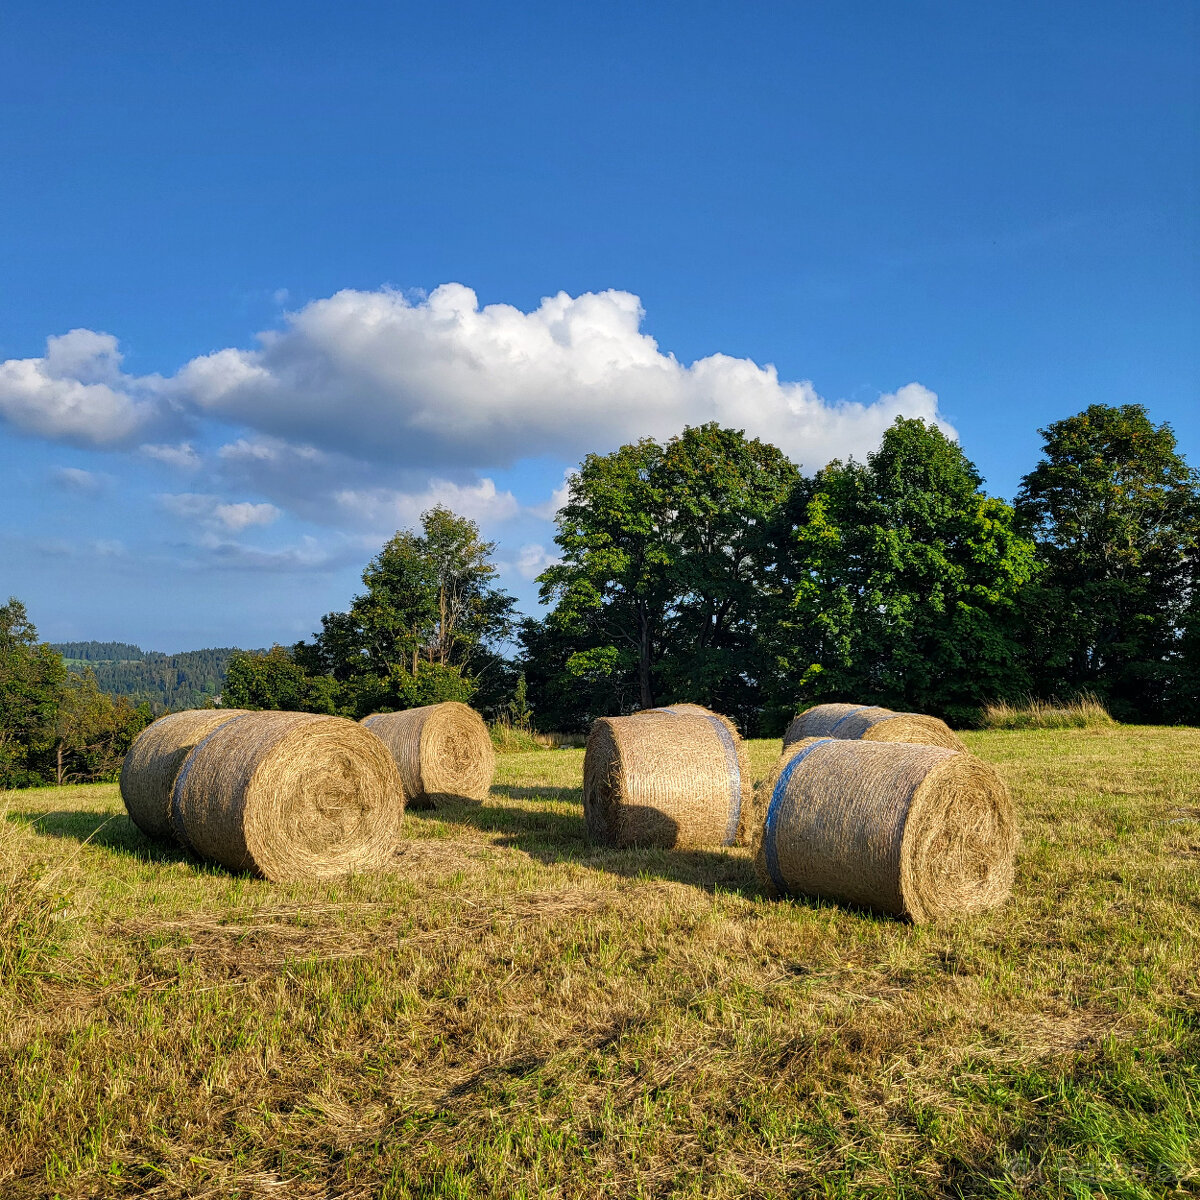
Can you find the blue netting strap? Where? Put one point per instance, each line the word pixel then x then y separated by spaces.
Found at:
pixel 771 831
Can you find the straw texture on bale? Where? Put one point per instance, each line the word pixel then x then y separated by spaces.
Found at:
pixel 290 796
pixel 661 778
pixel 913 831
pixel 869 723
pixel 720 721
pixel 152 762
pixel 444 752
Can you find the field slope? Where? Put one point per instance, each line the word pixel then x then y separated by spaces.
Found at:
pixel 515 1013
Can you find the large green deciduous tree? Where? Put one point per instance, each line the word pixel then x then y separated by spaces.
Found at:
pixel 612 588
pixel 425 629
pixel 666 556
pixel 1184 699
pixel 1115 509
pixel 725 496
pixel 906 579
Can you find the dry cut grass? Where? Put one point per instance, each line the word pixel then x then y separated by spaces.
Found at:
pixel 511 1011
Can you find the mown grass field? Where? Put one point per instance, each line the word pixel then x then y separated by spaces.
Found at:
pixel 513 1012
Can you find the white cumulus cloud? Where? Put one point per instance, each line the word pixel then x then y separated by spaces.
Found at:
pixel 76 392
pixel 442 383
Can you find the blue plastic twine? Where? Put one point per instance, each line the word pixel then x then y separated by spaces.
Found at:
pixel 770 849
pixel 846 715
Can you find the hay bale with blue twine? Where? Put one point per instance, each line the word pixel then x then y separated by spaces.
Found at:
pixel 871 723
pixel 290 796
pixel 675 778
pixel 914 831
pixel 153 761
pixel 732 743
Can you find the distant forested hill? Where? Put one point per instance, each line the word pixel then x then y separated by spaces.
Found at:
pixel 100 651
pixel 165 681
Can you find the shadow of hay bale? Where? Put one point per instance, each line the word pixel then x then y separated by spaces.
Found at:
pixel 550 837
pixel 110 831
pixel 562 795
pixel 556 838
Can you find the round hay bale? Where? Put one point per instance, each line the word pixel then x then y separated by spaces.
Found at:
pixel 444 752
pixel 290 796
pixel 152 762
pixel 922 832
pixel 662 779
pixel 732 741
pixel 870 723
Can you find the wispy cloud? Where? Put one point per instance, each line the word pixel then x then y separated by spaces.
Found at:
pixel 183 455
pixel 211 511
pixel 79 481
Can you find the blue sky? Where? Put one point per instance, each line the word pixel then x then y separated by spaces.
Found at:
pixel 482 240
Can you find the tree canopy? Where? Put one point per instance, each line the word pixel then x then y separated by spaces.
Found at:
pixel 666 553
pixel 425 629
pixel 711 570
pixel 1115 511
pixel 908 580
pixel 56 726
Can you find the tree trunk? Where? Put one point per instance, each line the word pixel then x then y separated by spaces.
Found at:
pixel 646 695
pixel 58 770
pixel 442 631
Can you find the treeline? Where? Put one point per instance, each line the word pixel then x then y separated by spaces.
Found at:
pixel 167 682
pixel 56 726
pixel 99 651
pixel 711 569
